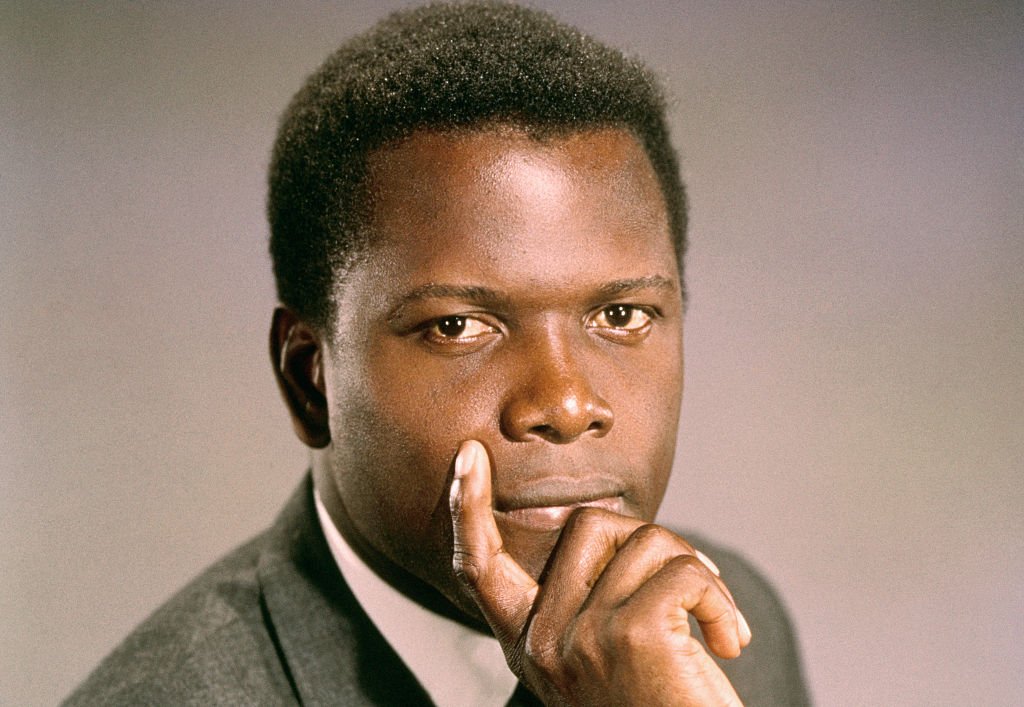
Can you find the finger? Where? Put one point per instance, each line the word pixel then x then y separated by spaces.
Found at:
pixel 702 680
pixel 645 552
pixel 642 554
pixel 588 542
pixel 682 586
pixel 744 628
pixel 502 589
pixel 707 562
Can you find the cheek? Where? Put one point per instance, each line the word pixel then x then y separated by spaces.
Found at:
pixel 648 421
pixel 432 397
pixel 415 411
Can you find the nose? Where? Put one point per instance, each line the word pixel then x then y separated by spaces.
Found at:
pixel 555 400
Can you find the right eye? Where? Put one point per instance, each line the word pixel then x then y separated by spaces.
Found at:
pixel 456 329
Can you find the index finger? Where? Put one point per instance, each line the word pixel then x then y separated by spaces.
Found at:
pixel 502 589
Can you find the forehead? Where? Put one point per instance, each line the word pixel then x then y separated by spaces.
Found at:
pixel 500 192
pixel 440 171
pixel 546 223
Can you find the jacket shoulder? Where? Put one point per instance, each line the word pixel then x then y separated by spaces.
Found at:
pixel 208 644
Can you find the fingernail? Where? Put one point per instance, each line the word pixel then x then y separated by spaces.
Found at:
pixel 464 460
pixel 708 563
pixel 745 634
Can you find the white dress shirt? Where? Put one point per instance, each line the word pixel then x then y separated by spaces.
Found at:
pixel 457 666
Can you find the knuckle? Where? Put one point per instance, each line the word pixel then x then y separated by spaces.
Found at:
pixel 539 653
pixel 582 652
pixel 655 538
pixel 582 637
pixel 631 635
pixel 586 518
pixel 695 580
pixel 690 647
pixel 536 643
pixel 650 533
pixel 467 567
pixel 535 649
pixel 688 564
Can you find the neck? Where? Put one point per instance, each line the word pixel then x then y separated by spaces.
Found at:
pixel 384 567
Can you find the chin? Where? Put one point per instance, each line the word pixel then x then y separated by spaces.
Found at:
pixel 532 550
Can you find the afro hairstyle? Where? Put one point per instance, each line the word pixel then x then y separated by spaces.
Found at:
pixel 440 67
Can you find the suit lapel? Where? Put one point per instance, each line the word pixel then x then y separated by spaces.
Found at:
pixel 330 649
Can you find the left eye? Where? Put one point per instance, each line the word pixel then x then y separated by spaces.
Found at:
pixel 624 317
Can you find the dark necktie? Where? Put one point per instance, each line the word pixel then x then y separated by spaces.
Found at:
pixel 523 698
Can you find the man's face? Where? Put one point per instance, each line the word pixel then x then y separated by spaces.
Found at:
pixel 521 293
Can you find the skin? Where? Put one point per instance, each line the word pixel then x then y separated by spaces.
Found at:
pixel 494 410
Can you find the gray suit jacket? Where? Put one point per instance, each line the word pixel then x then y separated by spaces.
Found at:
pixel 274 623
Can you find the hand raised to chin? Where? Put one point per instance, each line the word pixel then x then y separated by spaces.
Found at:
pixel 610 624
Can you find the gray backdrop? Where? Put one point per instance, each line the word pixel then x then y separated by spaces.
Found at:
pixel 855 339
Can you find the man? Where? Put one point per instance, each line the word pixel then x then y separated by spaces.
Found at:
pixel 477 232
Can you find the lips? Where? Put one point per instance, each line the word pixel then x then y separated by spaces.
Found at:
pixel 551 516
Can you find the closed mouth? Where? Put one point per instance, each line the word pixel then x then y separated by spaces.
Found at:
pixel 551 516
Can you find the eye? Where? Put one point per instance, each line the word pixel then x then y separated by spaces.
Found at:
pixel 621 321
pixel 621 316
pixel 456 329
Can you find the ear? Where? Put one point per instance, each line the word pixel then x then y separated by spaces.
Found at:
pixel 296 353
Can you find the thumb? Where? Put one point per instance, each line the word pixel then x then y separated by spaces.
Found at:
pixel 501 588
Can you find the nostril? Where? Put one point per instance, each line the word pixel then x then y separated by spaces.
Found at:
pixel 559 433
pixel 546 431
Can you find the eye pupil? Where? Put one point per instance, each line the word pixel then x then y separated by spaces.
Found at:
pixel 618 314
pixel 451 326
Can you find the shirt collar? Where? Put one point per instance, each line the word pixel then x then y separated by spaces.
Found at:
pixel 457 666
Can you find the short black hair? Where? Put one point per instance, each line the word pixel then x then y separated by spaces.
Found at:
pixel 440 67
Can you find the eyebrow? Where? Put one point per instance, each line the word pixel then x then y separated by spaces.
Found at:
pixel 633 284
pixel 474 293
pixel 495 298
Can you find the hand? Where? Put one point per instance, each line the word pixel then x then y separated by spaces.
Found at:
pixel 609 625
